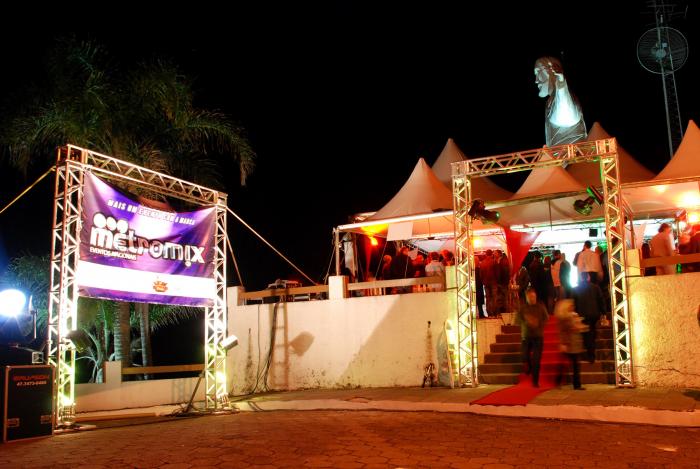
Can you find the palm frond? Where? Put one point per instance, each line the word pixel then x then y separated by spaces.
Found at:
pixel 164 315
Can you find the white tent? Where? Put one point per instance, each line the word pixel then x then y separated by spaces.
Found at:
pixel 422 208
pixel 676 187
pixel 421 193
pixel 588 174
pixel 546 197
pixel 686 161
pixel 482 188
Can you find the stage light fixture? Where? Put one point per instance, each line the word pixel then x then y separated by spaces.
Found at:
pixel 585 206
pixel 229 342
pixel 12 303
pixel 478 210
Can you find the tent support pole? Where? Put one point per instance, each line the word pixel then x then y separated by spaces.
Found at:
pixel 336 240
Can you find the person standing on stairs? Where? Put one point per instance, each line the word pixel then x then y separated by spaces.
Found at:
pixel 590 305
pixel 531 317
pixel 570 340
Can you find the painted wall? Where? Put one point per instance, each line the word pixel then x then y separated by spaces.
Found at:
pixel 114 394
pixel 372 341
pixel 665 330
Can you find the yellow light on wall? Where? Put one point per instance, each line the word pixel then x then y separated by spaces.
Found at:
pixel 660 189
pixel 693 217
pixel 689 199
pixel 477 242
pixel 374 229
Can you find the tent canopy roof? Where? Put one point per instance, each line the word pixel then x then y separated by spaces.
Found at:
pixel 482 188
pixel 686 160
pixel 588 174
pixel 421 193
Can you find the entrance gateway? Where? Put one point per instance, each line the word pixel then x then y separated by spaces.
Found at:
pixel 602 152
pixel 73 165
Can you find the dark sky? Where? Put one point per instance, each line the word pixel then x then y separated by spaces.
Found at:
pixel 340 100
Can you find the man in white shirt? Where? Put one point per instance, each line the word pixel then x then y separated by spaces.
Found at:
pixel 661 245
pixel 555 274
pixel 588 264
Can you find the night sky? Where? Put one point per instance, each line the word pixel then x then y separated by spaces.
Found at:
pixel 340 100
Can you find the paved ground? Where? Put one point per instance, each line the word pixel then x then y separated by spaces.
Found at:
pixel 344 439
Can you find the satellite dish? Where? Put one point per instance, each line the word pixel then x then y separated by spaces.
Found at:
pixel 662 50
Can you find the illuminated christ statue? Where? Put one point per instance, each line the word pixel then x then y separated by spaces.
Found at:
pixel 563 117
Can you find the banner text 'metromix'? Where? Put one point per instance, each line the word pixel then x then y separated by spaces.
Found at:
pixel 119 240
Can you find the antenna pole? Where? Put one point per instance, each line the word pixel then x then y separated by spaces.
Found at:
pixel 668 112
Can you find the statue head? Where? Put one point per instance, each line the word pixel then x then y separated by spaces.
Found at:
pixel 545 70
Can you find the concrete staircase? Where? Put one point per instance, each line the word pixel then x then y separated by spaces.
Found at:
pixel 503 364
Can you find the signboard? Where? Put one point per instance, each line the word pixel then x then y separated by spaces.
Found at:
pixel 132 252
pixel 28 402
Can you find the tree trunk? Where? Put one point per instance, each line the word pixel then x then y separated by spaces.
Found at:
pixel 122 334
pixel 145 326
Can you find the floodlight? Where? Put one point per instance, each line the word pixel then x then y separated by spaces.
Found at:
pixel 585 206
pixel 229 342
pixel 12 303
pixel 478 210
pixel 80 339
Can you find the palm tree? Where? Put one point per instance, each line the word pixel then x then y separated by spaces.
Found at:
pixel 144 114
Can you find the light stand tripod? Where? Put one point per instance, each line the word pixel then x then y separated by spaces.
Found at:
pixel 227 344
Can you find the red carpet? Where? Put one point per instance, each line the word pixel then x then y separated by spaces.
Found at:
pixel 524 392
pixel 520 394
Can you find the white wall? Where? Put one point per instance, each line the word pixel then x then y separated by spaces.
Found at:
pixel 665 330
pixel 370 341
pixel 114 394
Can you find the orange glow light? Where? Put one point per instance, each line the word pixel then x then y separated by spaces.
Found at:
pixel 477 242
pixel 660 189
pixel 693 217
pixel 373 241
pixel 689 199
pixel 374 229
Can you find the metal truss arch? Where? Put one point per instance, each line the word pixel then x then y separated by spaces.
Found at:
pixel 603 152
pixel 72 163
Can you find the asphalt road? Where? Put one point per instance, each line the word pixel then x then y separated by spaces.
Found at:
pixel 350 439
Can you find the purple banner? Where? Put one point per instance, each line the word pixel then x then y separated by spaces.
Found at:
pixel 132 252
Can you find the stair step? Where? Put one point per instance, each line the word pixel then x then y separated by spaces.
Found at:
pixel 506 348
pixel 502 358
pixel 586 378
pixel 508 338
pixel 500 368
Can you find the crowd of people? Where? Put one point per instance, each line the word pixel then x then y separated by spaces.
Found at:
pixel 663 244
pixel 403 266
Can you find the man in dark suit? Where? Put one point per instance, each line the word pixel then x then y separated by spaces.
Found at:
pixel 590 305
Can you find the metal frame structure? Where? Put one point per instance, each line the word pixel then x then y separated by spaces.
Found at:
pixel 72 163
pixel 602 151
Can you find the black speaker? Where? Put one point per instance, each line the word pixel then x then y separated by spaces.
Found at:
pixel 27 402
pixel 593 232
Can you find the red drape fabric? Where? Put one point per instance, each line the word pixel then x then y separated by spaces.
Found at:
pixel 519 243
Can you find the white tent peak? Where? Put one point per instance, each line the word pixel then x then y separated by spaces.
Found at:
pixel 482 187
pixel 422 193
pixel 443 165
pixel 686 160
pixel 550 180
pixel 588 174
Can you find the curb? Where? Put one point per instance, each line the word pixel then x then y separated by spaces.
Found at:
pixel 594 413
